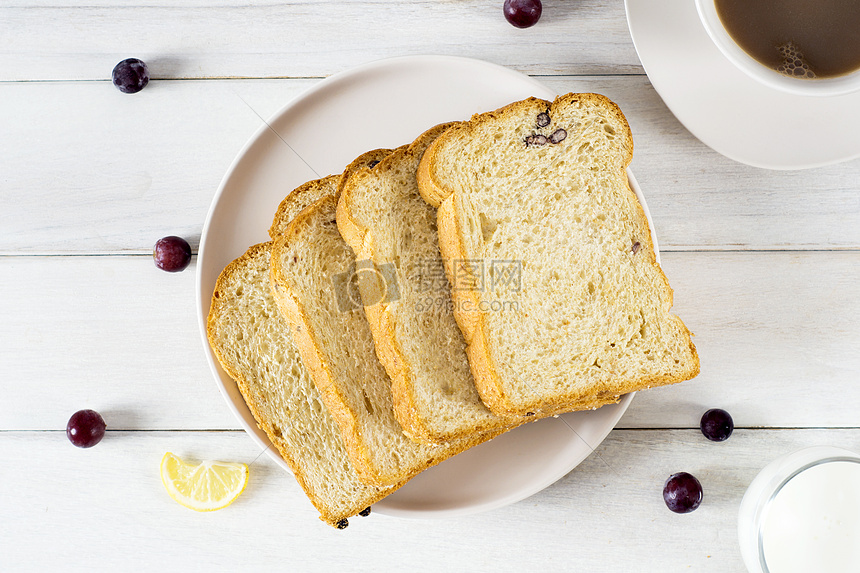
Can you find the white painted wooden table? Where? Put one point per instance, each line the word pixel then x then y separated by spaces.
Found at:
pixel 765 267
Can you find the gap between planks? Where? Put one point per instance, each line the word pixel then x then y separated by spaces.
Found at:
pixel 704 249
pixel 239 431
pixel 254 78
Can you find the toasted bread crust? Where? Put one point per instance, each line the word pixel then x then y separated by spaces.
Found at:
pixel 428 188
pixel 472 322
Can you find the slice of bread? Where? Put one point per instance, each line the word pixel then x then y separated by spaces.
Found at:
pixel 554 279
pixel 385 221
pixel 251 341
pixel 313 279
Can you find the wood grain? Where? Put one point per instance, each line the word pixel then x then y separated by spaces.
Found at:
pixel 118 335
pixel 88 170
pixel 607 514
pixel 301 39
pixel 91 170
pixel 776 334
pixel 110 333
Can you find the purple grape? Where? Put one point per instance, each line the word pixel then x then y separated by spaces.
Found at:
pixel 522 13
pixel 172 254
pixel 86 428
pixel 130 76
pixel 717 425
pixel 682 493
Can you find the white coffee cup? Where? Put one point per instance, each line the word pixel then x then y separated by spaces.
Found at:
pixel 736 55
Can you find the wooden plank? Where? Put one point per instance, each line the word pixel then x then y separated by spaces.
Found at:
pixel 108 504
pixel 776 333
pixel 110 333
pixel 87 169
pixel 302 39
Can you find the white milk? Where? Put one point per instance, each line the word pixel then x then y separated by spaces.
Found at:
pixel 813 523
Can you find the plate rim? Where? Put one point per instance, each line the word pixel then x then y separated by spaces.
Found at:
pixel 254 433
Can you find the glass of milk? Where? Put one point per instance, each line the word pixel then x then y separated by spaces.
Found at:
pixel 802 514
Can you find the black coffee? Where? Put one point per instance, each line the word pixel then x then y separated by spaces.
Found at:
pixel 801 38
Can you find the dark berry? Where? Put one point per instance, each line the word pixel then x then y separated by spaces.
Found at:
pixel 543 119
pixel 364 512
pixel 342 524
pixel 86 428
pixel 558 136
pixel 717 425
pixel 522 13
pixel 682 493
pixel 172 254
pixel 130 76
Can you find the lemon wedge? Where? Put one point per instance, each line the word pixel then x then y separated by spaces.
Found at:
pixel 206 486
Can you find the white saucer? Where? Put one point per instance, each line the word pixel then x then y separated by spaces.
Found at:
pixel 385 104
pixel 729 111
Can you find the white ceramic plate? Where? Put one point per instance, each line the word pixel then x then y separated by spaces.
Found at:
pixel 386 104
pixel 728 110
